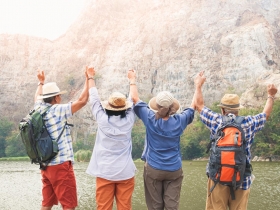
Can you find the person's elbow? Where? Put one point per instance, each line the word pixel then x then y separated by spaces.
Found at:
pixel 267 115
pixel 76 106
pixel 135 99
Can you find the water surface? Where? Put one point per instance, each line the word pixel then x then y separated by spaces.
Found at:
pixel 21 186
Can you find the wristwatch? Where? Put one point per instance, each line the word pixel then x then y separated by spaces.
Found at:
pixel 40 83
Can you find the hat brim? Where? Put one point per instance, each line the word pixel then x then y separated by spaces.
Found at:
pixel 106 105
pixel 227 107
pixel 153 105
pixel 48 96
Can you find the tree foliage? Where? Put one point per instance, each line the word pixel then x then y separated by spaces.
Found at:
pixel 5 130
pixel 194 140
pixel 14 146
pixel 138 139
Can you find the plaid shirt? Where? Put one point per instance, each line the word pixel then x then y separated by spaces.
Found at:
pixel 250 125
pixel 55 120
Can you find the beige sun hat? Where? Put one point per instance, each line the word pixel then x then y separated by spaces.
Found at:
pixel 164 99
pixel 230 101
pixel 50 89
pixel 116 102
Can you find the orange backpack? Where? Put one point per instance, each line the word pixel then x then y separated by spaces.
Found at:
pixel 227 162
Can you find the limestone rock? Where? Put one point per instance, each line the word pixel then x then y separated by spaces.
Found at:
pixel 167 42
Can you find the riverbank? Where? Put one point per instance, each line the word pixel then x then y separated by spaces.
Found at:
pixel 268 158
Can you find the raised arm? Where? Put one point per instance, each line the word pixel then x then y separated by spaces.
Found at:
pixel 83 98
pixel 271 92
pixel 41 79
pixel 132 86
pixel 90 74
pixel 198 102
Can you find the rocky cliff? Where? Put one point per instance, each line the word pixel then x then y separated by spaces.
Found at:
pixel 236 43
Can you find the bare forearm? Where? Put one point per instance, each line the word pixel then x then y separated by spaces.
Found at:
pixel 38 92
pixel 133 91
pixel 91 83
pixel 198 98
pixel 85 95
pixel 82 100
pixel 268 107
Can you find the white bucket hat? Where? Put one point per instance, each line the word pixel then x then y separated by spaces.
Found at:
pixel 164 99
pixel 50 89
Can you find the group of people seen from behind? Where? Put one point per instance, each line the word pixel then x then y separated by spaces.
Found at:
pixel 111 161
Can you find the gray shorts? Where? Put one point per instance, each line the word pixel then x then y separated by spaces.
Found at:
pixel 162 188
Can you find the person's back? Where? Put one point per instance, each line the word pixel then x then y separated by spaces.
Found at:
pixel 56 187
pixel 163 174
pixel 111 158
pixel 111 162
pixel 219 196
pixel 163 137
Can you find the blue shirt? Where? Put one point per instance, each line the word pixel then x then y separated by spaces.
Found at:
pixel 111 158
pixel 250 125
pixel 55 120
pixel 162 143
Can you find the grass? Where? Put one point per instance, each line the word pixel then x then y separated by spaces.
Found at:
pixel 14 159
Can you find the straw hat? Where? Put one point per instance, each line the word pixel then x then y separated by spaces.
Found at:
pixel 116 102
pixel 164 99
pixel 50 89
pixel 230 101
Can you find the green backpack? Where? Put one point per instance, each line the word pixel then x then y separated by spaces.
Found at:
pixel 39 145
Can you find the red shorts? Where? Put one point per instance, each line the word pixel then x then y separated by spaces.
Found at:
pixel 59 184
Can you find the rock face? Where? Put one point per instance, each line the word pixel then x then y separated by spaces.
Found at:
pixel 167 42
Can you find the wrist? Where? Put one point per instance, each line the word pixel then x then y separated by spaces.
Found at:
pixel 40 83
pixel 132 82
pixel 270 96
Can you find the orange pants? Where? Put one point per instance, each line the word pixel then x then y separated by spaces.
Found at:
pixel 106 190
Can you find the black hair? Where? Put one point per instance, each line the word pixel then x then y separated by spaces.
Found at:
pixel 49 100
pixel 121 113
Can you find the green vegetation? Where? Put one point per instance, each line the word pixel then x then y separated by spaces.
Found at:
pixel 5 131
pixel 15 159
pixel 83 155
pixel 194 140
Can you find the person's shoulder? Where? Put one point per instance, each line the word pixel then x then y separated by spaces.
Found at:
pixel 261 117
pixel 140 104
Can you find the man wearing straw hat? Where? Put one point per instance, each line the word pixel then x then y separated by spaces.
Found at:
pixel 164 124
pixel 59 183
pixel 111 162
pixel 220 197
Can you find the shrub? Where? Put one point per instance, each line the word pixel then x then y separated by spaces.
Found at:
pixel 83 155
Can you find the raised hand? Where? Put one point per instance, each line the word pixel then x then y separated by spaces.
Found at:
pixel 200 79
pixel 90 71
pixel 131 74
pixel 41 76
pixel 271 90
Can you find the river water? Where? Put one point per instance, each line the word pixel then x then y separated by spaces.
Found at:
pixel 21 186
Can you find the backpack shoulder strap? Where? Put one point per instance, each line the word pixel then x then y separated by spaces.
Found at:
pixel 45 111
pixel 239 119
pixel 225 119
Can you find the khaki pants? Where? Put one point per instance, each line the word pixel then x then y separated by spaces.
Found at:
pixel 162 188
pixel 220 198
pixel 106 190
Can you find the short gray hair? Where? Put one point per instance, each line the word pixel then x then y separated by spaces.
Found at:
pixel 232 111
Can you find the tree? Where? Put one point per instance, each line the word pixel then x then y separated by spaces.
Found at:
pixel 138 139
pixel 14 146
pixel 194 140
pixel 5 130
